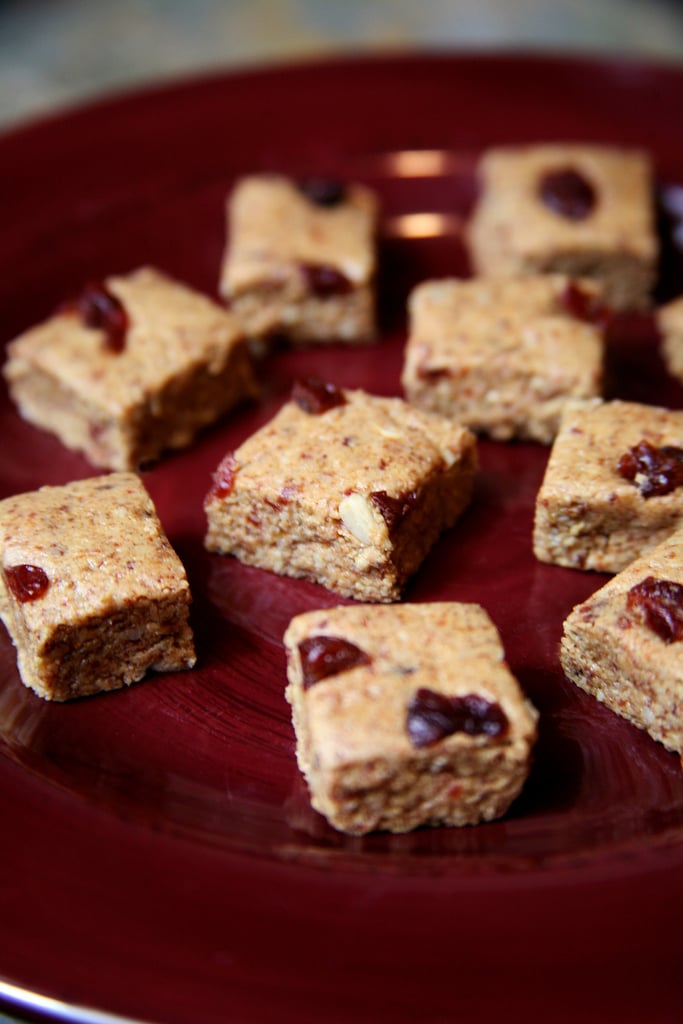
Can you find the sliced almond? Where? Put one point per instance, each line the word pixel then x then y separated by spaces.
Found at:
pixel 359 517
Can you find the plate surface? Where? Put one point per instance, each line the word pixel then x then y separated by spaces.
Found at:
pixel 159 857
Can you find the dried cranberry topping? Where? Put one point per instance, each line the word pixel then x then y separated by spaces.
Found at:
pixel 323 656
pixel 584 305
pixel 324 280
pixel 323 191
pixel 433 716
pixel 224 478
pixel 434 374
pixel 393 510
pixel 567 193
pixel 99 308
pixel 27 582
pixel 660 605
pixel 655 471
pixel 315 396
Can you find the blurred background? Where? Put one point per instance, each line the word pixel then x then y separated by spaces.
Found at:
pixel 56 53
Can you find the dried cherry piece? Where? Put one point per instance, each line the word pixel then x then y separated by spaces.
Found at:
pixel 315 396
pixel 433 374
pixel 224 478
pixel 568 193
pixel 394 510
pixel 99 308
pixel 660 605
pixel 323 656
pixel 27 582
pixel 432 716
pixel 323 280
pixel 655 471
pixel 323 191
pixel 584 305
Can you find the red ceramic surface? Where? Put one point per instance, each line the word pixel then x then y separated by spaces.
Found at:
pixel 158 857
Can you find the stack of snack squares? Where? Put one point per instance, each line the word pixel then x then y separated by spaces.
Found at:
pixel 405 714
pixel 560 238
pixel 612 495
pixel 91 591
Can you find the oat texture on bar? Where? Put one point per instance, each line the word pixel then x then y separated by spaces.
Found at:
pixel 301 259
pixel 135 366
pixel 578 209
pixel 406 715
pixel 92 594
pixel 344 488
pixel 503 356
pixel 613 485
pixel 624 645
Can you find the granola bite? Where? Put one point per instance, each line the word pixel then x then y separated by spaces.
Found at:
pixel 406 715
pixel 136 366
pixel 301 259
pixel 92 594
pixel 624 645
pixel 669 319
pixel 613 485
pixel 578 209
pixel 344 488
pixel 503 356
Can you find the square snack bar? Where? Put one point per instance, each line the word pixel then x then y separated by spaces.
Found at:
pixel 343 488
pixel 136 366
pixel 584 210
pixel 624 645
pixel 613 485
pixel 406 715
pixel 504 356
pixel 670 323
pixel 91 592
pixel 301 259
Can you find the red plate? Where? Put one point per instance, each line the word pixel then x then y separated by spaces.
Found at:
pixel 159 857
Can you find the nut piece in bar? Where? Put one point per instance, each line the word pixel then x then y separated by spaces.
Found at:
pixel 578 209
pixel 301 259
pixel 344 488
pixel 624 645
pixel 91 592
pixel 135 366
pixel 613 485
pixel 406 715
pixel 503 356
